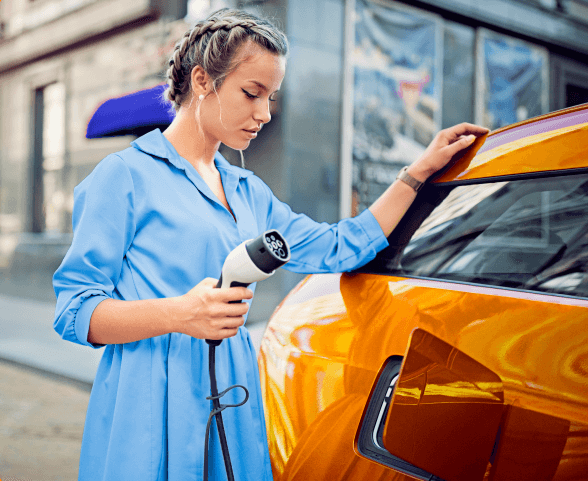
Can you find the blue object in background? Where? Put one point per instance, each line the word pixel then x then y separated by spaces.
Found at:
pixel 514 80
pixel 132 114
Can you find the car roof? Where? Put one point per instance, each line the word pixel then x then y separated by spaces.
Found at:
pixel 557 141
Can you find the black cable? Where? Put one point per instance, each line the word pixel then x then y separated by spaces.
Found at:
pixel 259 258
pixel 217 409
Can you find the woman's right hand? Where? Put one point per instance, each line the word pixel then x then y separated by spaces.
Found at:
pixel 206 313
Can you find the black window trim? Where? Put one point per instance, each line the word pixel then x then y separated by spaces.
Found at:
pixel 511 177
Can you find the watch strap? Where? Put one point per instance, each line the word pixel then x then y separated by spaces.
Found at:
pixel 409 180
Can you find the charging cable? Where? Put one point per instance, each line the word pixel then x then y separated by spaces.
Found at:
pixel 251 261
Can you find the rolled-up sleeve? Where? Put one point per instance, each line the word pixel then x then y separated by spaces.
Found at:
pixel 103 224
pixel 322 247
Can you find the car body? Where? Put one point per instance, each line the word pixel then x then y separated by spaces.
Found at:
pixel 461 351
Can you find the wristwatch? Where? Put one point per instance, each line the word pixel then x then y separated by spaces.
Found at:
pixel 408 179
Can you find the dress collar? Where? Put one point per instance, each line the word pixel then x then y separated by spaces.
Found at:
pixel 154 143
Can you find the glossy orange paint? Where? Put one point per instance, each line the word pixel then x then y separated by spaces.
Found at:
pixel 327 341
pixel 536 344
pixel 550 150
pixel 438 382
pixel 532 445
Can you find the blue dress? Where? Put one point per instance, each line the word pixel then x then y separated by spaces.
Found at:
pixel 147 226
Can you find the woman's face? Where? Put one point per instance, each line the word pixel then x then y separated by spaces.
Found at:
pixel 243 103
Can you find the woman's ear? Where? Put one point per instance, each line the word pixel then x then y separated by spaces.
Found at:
pixel 200 81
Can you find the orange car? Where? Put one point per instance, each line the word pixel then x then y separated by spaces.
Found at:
pixel 461 352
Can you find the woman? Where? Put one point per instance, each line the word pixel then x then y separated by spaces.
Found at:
pixel 152 227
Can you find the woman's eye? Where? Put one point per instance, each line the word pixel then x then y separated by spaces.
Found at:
pixel 273 99
pixel 250 96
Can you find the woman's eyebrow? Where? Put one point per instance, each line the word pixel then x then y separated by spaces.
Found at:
pixel 259 84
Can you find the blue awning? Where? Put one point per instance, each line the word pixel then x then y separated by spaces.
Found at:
pixel 132 114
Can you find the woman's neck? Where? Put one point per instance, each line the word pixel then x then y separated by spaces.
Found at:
pixel 190 141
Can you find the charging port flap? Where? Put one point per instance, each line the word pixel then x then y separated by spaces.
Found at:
pixel 445 412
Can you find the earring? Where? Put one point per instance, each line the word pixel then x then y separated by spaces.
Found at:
pixel 201 97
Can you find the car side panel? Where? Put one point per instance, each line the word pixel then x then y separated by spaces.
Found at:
pixel 328 339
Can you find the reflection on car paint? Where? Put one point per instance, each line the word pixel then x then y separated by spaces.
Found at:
pixel 329 339
pixel 485 326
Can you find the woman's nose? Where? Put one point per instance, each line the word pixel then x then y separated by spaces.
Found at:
pixel 263 114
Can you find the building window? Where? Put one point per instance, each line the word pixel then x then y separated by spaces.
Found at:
pixel 410 73
pixel 48 203
pixel 396 60
pixel 511 80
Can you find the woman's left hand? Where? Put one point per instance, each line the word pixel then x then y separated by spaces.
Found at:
pixel 443 147
pixel 395 201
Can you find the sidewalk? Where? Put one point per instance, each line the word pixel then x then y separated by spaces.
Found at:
pixel 41 425
pixel 27 337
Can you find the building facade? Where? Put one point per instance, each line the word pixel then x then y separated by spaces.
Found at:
pixel 368 84
pixel 58 61
pixel 414 68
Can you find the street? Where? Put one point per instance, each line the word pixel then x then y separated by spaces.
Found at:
pixel 41 424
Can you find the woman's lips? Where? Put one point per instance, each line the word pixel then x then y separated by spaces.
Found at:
pixel 251 133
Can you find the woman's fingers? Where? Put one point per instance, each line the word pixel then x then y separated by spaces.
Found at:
pixel 223 328
pixel 454 133
pixel 230 294
pixel 444 146
pixel 218 327
pixel 450 150
pixel 224 334
pixel 235 294
pixel 214 313
pixel 232 323
pixel 224 309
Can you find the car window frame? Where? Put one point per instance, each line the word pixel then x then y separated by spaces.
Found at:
pixel 428 198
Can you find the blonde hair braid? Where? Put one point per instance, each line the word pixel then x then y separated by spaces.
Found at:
pixel 212 44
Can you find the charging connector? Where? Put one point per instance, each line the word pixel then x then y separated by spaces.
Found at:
pixel 251 261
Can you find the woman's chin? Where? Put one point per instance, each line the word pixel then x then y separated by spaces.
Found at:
pixel 240 145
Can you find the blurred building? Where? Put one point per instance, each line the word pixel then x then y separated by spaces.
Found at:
pixel 369 82
pixel 59 59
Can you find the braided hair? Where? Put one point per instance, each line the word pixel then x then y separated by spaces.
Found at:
pixel 212 44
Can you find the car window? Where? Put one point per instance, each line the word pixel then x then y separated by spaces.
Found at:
pixel 529 234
